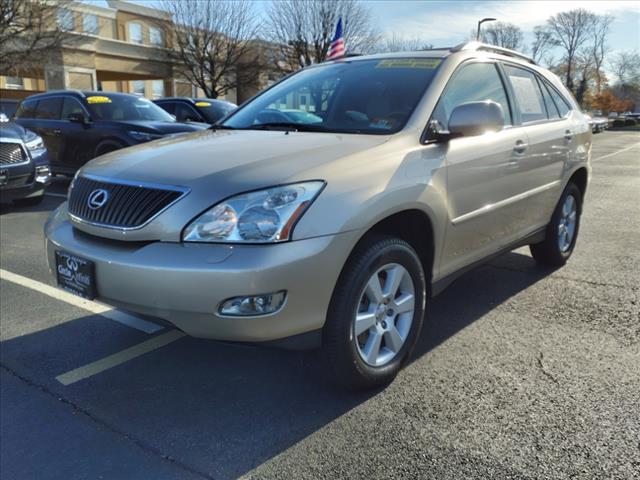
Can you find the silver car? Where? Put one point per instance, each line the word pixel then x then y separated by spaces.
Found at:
pixel 333 229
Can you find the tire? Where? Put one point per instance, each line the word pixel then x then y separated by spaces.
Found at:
pixel 29 201
pixel 344 350
pixel 557 246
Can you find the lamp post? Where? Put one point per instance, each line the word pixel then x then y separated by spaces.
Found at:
pixel 480 23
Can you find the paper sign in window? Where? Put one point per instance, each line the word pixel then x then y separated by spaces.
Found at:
pixel 527 94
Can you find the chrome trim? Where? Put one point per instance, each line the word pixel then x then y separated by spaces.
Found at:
pixel 503 203
pixel 24 150
pixel 132 183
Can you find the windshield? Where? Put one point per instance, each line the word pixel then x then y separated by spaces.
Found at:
pixel 365 96
pixel 213 111
pixel 124 107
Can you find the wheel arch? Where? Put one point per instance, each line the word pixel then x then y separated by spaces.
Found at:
pixel 581 179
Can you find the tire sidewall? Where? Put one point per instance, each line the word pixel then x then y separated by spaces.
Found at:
pixel 389 251
pixel 572 190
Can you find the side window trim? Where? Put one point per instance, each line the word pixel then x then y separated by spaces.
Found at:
pixel 551 89
pixel 544 89
pixel 424 137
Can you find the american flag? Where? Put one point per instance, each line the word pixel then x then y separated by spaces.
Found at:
pixel 337 44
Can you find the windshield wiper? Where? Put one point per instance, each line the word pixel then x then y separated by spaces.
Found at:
pixel 221 127
pixel 288 126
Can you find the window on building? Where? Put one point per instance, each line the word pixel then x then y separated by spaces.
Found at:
pixel 155 36
pixel 90 23
pixel 138 87
pixel 15 83
pixel 65 19
pixel 157 88
pixel 135 32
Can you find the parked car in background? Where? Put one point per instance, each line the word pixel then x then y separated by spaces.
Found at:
pixel 334 233
pixel 78 126
pixel 598 124
pixel 8 107
pixel 187 109
pixel 24 165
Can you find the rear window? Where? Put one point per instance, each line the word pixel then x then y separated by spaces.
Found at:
pixel 27 109
pixel 527 92
pixel 49 108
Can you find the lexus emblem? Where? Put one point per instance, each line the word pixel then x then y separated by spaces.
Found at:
pixel 97 198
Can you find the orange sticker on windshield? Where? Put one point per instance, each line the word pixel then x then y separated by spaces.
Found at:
pixel 98 99
pixel 409 63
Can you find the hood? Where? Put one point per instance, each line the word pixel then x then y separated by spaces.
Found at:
pixel 214 165
pixel 13 131
pixel 229 161
pixel 161 128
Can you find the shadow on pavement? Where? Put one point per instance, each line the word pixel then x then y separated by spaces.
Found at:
pixel 224 409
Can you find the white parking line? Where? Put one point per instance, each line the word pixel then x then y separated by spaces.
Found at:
pixel 119 358
pixel 59 195
pixel 615 153
pixel 93 307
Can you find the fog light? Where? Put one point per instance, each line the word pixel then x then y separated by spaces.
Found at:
pixel 42 173
pixel 253 305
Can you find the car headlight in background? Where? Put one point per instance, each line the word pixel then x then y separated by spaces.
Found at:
pixel 35 145
pixel 263 216
pixel 144 136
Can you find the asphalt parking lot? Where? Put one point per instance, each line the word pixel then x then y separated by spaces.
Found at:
pixel 521 372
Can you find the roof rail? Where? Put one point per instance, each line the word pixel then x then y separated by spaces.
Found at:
pixel 485 47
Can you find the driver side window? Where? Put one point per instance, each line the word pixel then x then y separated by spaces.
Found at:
pixel 475 82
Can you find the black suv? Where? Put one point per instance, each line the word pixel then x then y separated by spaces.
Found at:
pixel 78 126
pixel 205 110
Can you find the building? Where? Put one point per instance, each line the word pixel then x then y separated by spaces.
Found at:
pixel 119 47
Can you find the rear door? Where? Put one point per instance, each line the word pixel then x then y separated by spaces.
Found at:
pixel 539 170
pixel 480 193
pixel 49 126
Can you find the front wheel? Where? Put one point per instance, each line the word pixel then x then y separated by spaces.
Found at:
pixel 562 231
pixel 376 313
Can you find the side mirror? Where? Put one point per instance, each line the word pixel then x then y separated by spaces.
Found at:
pixel 77 118
pixel 476 118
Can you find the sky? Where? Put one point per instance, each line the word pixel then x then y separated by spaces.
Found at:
pixel 447 23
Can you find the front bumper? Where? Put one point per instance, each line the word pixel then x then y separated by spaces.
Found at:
pixel 23 182
pixel 185 283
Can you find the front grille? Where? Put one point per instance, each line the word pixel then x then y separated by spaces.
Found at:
pixel 127 206
pixel 11 154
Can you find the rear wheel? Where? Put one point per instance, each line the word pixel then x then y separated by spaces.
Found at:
pixel 562 231
pixel 376 313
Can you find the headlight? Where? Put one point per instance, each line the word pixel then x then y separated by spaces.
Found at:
pixel 35 144
pixel 144 136
pixel 263 216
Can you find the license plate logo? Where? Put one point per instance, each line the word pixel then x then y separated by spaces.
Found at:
pixel 75 274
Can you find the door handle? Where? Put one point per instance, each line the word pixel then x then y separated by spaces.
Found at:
pixel 568 136
pixel 520 147
pixel 57 132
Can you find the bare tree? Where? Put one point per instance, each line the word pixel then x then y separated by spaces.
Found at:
pixel 543 43
pixel 571 30
pixel 503 34
pixel 399 43
pixel 599 48
pixel 626 66
pixel 212 43
pixel 303 29
pixel 29 32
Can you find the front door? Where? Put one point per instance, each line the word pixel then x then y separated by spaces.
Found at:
pixel 480 193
